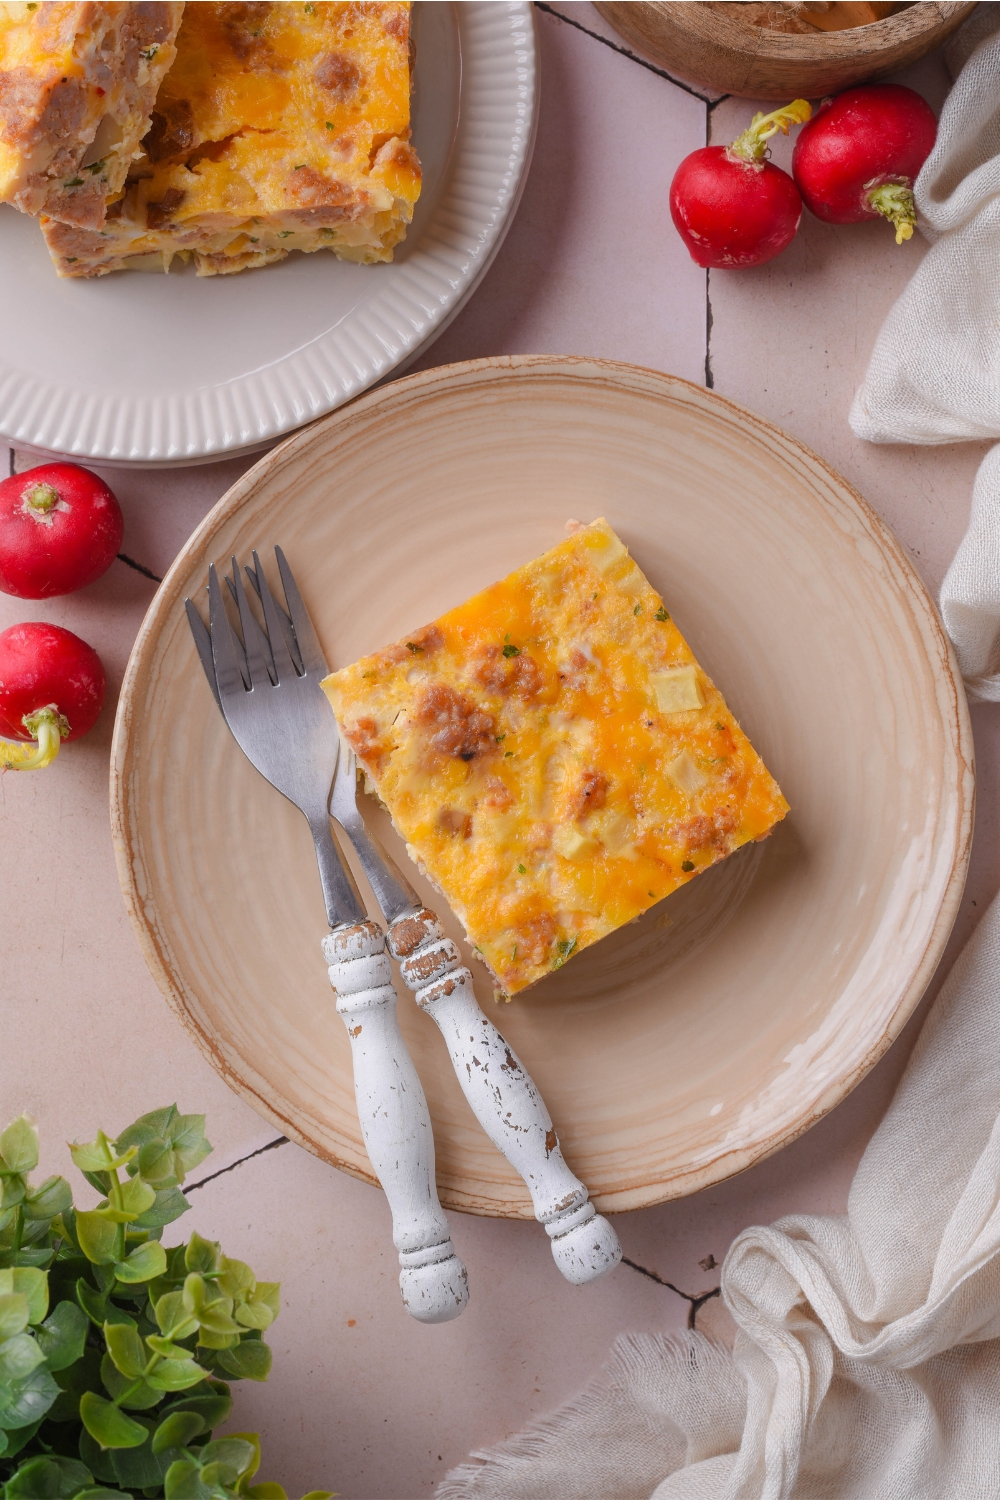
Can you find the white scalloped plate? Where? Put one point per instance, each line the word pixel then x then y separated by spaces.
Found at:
pixel 181 369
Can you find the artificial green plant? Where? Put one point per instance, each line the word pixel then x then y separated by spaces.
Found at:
pixel 116 1352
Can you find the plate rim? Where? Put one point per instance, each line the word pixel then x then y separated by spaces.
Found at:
pixel 96 438
pixel 945 672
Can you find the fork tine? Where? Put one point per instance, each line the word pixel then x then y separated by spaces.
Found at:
pixel 261 638
pixel 287 629
pixel 283 664
pixel 203 644
pixel 255 644
pixel 310 650
pixel 228 675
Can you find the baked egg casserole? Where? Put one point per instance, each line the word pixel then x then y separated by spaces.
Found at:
pixel 279 127
pixel 554 756
pixel 77 85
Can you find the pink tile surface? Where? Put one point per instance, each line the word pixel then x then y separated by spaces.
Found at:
pixel 361 1399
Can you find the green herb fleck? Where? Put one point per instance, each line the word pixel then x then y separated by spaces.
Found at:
pixel 309 9
pixel 150 52
pixel 661 614
pixel 509 650
pixel 507 754
pixel 74 182
pixel 642 770
pixel 687 866
pixel 513 952
pixel 521 870
pixel 564 949
pixel 650 895
pixel 72 259
pixel 412 646
pixel 96 166
pixel 284 233
pixel 593 596
pixel 254 240
pixel 33 7
pixel 720 728
pixel 637 610
pixel 330 125
pixel 299 165
pixel 500 738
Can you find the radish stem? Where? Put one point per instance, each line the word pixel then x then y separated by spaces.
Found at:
pixel 49 728
pixel 751 146
pixel 895 203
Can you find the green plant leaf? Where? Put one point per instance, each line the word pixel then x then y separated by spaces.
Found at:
pixel 183 1482
pixel 175 1375
pixel 208 1339
pixel 99 1156
pixel 201 1255
pixel 12 1191
pixel 137 1196
pixel 84 1375
pixel 163 1346
pixel 19 1146
pixel 172 1316
pixel 133 1395
pixel 98 1237
pixel 127 1349
pixel 98 1492
pixel 62 1336
pixel 237 1279
pixel 97 1459
pixel 213 1408
pixel 48 1478
pixel 13 1314
pixel 250 1360
pixel 144 1263
pixel 28 1400
pixel 239 1451
pixel 18 1437
pixel 269 1491
pixel 93 1303
pixel 250 1464
pixel 169 1204
pixel 18 1357
pixel 31 1283
pixel 177 1430
pixel 140 1468
pixel 107 1425
pixel 262 1306
pixel 50 1198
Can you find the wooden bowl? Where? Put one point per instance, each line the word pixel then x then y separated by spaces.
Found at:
pixel 731 1016
pixel 710 48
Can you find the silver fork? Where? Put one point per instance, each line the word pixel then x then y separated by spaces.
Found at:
pixel 495 1082
pixel 281 720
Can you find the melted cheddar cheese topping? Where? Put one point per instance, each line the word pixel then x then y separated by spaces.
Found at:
pixel 279 127
pixel 554 756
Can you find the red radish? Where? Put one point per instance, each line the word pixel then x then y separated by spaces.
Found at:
pixel 60 528
pixel 51 689
pixel 861 154
pixel 730 205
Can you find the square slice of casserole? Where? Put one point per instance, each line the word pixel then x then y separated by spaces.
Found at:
pixel 77 85
pixel 279 127
pixel 554 756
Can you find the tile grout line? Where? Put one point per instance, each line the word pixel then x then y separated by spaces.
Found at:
pixel 622 51
pixel 695 1304
pixel 281 1140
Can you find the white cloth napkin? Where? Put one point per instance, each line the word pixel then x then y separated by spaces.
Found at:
pixel 863 1366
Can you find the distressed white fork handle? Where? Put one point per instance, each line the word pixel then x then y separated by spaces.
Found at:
pixel 395 1122
pixel 502 1097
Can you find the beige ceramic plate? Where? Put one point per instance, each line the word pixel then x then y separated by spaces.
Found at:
pixel 729 1018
